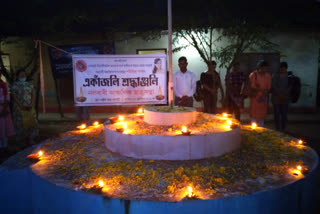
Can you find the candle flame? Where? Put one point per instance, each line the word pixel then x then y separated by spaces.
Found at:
pixel 227 126
pixel 229 122
pixel 190 193
pixel 96 123
pixel 127 131
pixel 125 126
pixel 40 153
pixel 299 167
pixel 296 172
pixel 300 142
pixel 83 126
pixel 184 129
pixel 101 184
pixel 121 117
pixel 81 92
pixel 140 110
pixel 225 115
pixel 253 125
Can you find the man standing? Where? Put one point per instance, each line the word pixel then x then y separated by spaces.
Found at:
pixel 184 84
pixel 234 82
pixel 280 96
pixel 260 82
pixel 211 83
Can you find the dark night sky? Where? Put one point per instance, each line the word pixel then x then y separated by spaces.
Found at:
pixel 27 17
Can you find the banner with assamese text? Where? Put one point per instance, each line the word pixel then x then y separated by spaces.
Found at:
pixel 102 80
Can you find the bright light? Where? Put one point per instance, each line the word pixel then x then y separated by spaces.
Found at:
pixel 101 184
pixel 300 142
pixel 184 129
pixel 121 118
pixel 190 191
pixel 125 125
pixel 253 125
pixel 140 110
pixel 227 126
pixel 229 122
pixel 225 115
pixel 296 172
pixel 299 168
pixel 96 123
pixel 83 126
pixel 40 153
pixel 127 131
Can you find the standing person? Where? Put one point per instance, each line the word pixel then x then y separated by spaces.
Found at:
pixel 260 82
pixel 184 84
pixel 280 96
pixel 6 125
pixel 24 115
pixel 211 82
pixel 235 82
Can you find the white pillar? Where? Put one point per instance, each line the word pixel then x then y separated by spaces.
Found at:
pixel 170 85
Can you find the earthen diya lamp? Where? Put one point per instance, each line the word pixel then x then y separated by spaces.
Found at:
pixel 35 157
pixel 113 119
pixel 185 131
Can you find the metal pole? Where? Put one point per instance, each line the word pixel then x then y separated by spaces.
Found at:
pixel 170 84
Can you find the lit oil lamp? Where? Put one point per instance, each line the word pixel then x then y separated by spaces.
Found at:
pixel 185 131
pixel 126 130
pixel 296 172
pixel 299 170
pixel 82 126
pixel 96 123
pixel 103 187
pixel 230 125
pixel 122 128
pixel 35 157
pixel 116 119
pixel 253 125
pixel 227 126
pixel 97 188
pixel 300 142
pixel 101 183
pixel 190 194
pixel 140 113
pixel 113 119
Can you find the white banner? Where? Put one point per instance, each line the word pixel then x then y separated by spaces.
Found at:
pixel 102 80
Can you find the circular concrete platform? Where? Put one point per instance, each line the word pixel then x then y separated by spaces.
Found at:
pixel 172 146
pixel 49 186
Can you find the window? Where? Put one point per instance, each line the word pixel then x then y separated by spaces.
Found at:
pixel 151 51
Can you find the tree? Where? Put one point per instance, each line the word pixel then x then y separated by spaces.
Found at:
pixel 224 44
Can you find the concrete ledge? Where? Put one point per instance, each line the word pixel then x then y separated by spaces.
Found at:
pixel 170 118
pixel 177 147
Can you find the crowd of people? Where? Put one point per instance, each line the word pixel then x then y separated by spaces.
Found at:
pixel 22 121
pixel 256 87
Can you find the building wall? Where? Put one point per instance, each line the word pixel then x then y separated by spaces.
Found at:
pixel 298 49
pixel 301 51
